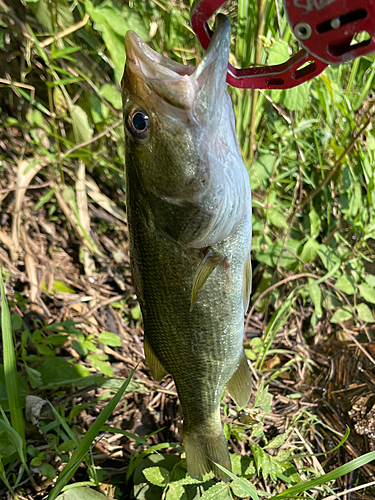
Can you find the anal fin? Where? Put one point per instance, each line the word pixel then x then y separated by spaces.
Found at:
pixel 209 262
pixel 239 386
pixel 156 368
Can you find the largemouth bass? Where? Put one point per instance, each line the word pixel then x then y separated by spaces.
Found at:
pixel 189 214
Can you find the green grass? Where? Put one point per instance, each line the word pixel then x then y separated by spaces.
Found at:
pixel 310 153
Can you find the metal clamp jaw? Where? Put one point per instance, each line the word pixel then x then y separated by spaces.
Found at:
pixel 326 29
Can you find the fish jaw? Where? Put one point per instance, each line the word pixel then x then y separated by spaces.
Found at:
pixel 155 78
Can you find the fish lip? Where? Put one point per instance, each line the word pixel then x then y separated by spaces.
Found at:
pixel 174 82
pixel 218 51
pixel 140 55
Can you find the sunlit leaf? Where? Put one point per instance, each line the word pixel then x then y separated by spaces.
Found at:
pixel 365 314
pixel 342 314
pixel 157 475
pixel 368 292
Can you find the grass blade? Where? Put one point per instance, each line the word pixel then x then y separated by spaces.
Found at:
pixel 335 474
pixel 84 446
pixel 243 483
pixel 14 438
pixel 10 369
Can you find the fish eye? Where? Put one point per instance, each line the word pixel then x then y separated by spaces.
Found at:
pixel 138 123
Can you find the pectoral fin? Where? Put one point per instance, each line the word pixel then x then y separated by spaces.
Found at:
pixel 247 282
pixel 239 386
pixel 205 268
pixel 156 368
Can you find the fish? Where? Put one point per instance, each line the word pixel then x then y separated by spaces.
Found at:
pixel 188 200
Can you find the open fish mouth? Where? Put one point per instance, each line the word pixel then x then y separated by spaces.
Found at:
pixel 176 83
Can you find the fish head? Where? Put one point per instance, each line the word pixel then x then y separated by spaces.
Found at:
pixel 173 115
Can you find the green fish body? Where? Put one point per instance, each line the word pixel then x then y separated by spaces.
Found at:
pixel 189 214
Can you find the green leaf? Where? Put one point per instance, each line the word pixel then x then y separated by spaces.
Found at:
pixel 48 471
pixel 136 313
pixel 90 346
pixel 60 21
pixel 370 280
pixel 55 339
pixel 16 322
pixel 316 296
pixel 99 112
pixel 309 250
pixel 104 367
pixel 338 150
pixel 261 170
pixel 7 449
pixel 263 399
pixel 278 53
pixel 239 491
pixel 157 475
pixel 116 47
pixel 297 98
pixel 17 441
pixel 35 377
pixel 227 430
pixel 176 492
pixel 266 464
pixel 329 257
pixel 110 339
pixel 72 492
pixel 112 17
pixel 32 451
pixel 314 224
pixel 243 466
pixel 219 491
pixel 135 22
pixel 150 458
pixel 57 369
pixel 45 350
pixel 112 95
pixel 342 314
pixel 368 292
pixel 271 255
pixel 36 119
pixel 276 217
pixel 80 347
pixel 365 314
pixel 69 445
pixel 262 460
pixel 82 129
pixel 346 285
pixel 277 441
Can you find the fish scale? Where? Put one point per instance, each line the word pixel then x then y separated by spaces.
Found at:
pixel 189 214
